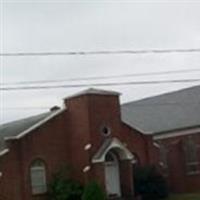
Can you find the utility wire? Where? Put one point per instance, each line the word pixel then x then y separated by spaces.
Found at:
pixel 165 104
pixel 103 77
pixel 104 52
pixel 134 105
pixel 24 108
pixel 99 84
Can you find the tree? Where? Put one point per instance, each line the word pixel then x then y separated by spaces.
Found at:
pixel 63 188
pixel 149 183
pixel 93 191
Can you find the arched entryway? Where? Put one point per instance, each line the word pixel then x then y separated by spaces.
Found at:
pixel 115 159
pixel 112 174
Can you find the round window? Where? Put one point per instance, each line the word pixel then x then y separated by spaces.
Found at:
pixel 105 130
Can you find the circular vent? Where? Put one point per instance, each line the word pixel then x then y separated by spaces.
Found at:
pixel 105 130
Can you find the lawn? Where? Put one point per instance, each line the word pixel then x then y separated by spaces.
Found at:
pixel 185 197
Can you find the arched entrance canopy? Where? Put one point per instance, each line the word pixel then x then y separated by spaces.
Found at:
pixel 115 145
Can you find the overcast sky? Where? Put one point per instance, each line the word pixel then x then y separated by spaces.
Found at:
pixel 39 26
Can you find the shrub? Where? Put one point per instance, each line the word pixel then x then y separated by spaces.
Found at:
pixel 63 188
pixel 93 191
pixel 149 183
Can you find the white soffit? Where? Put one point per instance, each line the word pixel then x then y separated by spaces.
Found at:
pixel 3 152
pixel 177 133
pixel 116 144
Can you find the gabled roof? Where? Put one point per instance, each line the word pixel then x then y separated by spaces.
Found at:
pixel 15 129
pixel 19 128
pixel 166 112
pixel 109 144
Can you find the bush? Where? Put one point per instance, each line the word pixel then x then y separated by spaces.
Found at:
pixel 93 191
pixel 64 188
pixel 149 183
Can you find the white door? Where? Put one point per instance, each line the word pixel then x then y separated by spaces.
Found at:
pixel 112 175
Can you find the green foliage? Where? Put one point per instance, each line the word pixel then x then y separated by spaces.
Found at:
pixel 64 188
pixel 93 191
pixel 149 183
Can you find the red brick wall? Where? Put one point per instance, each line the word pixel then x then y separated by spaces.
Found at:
pixel 139 144
pixel 126 178
pixel 49 143
pixel 10 183
pixel 79 134
pixel 103 110
pixel 178 178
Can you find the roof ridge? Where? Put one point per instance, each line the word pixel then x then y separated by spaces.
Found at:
pixel 164 112
pixel 161 95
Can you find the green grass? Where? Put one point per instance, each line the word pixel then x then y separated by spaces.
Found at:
pixel 184 197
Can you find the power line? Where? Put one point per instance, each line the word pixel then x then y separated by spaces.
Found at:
pixel 99 84
pixel 104 52
pixel 24 108
pixel 104 77
pixel 165 104
pixel 135 105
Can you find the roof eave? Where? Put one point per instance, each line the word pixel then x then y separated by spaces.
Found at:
pixel 138 129
pixel 4 151
pixel 177 132
pixel 25 132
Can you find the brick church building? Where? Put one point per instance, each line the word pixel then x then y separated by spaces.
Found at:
pixel 88 134
pixel 101 140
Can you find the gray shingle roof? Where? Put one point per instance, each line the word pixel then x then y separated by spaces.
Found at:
pixel 157 114
pixel 170 111
pixel 16 127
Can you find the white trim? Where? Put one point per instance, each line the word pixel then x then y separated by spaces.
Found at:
pixel 177 133
pixel 134 161
pixel 86 168
pixel 23 133
pixel 155 144
pixel 87 147
pixel 43 183
pixel 115 143
pixel 1 174
pixel 3 152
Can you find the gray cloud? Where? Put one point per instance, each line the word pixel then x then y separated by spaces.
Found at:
pixel 28 26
